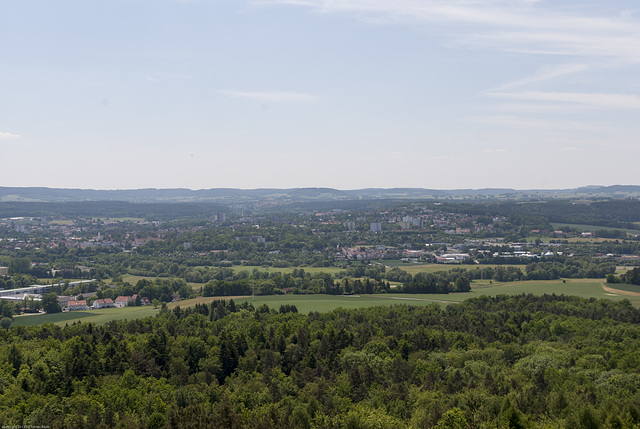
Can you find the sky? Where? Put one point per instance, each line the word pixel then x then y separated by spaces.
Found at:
pixel 348 94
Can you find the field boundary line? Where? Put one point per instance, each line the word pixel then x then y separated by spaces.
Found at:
pixel 618 291
pixel 416 299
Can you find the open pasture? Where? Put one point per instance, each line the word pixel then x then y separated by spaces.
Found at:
pixel 120 219
pixel 592 228
pixel 621 269
pixel 585 288
pixel 98 317
pixel 624 287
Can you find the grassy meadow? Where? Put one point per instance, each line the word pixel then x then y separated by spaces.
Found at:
pixel 592 228
pixel 98 317
pixel 623 269
pixel 585 288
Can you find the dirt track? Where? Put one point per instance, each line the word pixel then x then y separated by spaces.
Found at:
pixel 618 291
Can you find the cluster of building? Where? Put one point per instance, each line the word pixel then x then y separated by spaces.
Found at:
pixel 452 258
pixel 448 222
pixel 34 291
pixel 367 253
pixel 70 235
pixel 119 302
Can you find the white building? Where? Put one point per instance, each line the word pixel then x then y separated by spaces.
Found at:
pixel 103 303
pixel 77 305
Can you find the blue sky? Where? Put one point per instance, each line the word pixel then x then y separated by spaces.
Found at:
pixel 124 94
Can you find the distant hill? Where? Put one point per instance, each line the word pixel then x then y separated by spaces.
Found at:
pixel 231 197
pixel 111 209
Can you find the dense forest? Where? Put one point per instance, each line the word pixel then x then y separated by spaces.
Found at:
pixel 524 361
pixel 616 213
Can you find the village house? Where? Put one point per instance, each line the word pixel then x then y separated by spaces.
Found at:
pixel 77 305
pixel 103 303
pixel 64 300
pixel 122 301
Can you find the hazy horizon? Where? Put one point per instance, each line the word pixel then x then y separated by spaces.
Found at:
pixel 318 187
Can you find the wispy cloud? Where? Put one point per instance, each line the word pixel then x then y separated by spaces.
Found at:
pixel 290 97
pixel 6 136
pixel 507 25
pixel 607 101
pixel 616 45
pixel 545 73
pixel 520 122
pixel 540 107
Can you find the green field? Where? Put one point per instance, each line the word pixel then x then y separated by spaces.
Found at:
pixel 624 287
pixel 593 228
pixel 120 219
pixel 131 279
pixel 62 222
pixel 96 316
pixel 621 269
pixel 585 288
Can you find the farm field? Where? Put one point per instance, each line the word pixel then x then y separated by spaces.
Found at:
pixel 592 228
pixel 98 317
pixel 623 269
pixel 120 219
pixel 624 287
pixel 62 222
pixel 585 288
